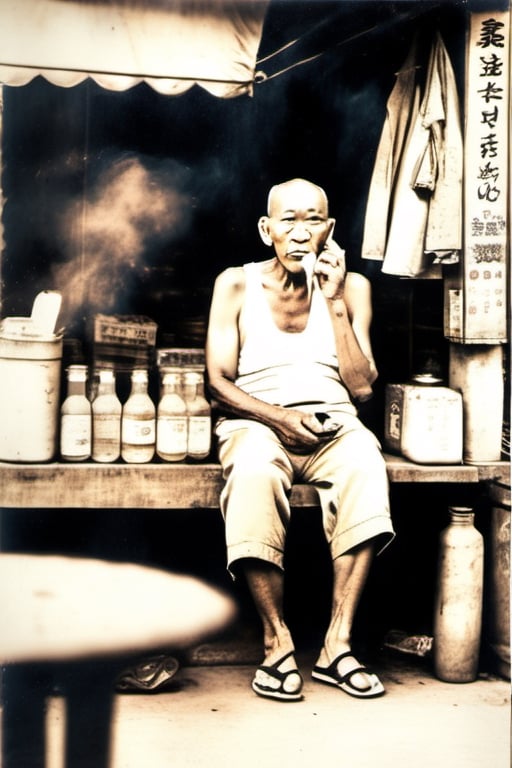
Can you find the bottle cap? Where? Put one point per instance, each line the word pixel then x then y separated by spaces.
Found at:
pixel 106 375
pixel 192 377
pixel 171 377
pixel 77 372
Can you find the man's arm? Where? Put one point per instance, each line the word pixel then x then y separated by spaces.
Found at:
pixel 348 298
pixel 351 317
pixel 295 428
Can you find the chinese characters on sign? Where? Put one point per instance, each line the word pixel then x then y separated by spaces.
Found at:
pixel 484 300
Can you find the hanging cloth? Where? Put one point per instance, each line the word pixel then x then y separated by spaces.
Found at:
pixel 414 208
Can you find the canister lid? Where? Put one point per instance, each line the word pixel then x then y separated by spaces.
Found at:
pixel 426 380
pixel 24 329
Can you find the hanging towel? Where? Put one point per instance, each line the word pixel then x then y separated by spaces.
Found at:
pixel 414 218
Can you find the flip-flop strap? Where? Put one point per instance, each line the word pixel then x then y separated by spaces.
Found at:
pixel 332 669
pixel 274 671
pixel 277 674
pixel 347 678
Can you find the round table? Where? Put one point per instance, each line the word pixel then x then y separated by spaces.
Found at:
pixel 78 621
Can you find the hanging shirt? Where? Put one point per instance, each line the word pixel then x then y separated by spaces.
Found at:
pixel 288 369
pixel 414 208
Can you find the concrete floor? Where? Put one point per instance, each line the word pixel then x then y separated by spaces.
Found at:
pixel 211 719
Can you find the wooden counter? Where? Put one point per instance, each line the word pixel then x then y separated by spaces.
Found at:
pixel 180 486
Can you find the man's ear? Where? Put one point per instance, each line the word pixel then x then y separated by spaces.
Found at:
pixel 263 230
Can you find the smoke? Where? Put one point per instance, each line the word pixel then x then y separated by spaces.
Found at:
pixel 132 208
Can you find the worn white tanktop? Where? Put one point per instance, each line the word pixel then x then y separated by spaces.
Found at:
pixel 288 369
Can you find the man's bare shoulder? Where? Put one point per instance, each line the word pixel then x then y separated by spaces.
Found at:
pixel 358 295
pixel 355 281
pixel 357 287
pixel 231 279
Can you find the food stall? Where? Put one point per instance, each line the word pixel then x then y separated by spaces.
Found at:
pixel 139 140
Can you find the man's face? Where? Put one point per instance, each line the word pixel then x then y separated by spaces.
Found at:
pixel 297 225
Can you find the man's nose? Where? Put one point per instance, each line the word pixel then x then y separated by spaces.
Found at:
pixel 300 232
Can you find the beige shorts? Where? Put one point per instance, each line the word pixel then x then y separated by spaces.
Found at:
pixel 349 473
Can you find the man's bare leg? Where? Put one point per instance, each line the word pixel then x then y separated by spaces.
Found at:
pixel 266 583
pixel 350 575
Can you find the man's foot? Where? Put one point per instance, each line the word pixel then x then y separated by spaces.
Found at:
pixel 346 673
pixel 281 680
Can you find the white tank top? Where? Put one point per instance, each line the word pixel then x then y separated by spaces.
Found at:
pixel 288 369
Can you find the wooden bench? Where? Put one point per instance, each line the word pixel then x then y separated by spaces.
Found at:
pixel 182 486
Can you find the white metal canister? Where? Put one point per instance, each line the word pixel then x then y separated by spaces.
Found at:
pixel 424 423
pixel 29 394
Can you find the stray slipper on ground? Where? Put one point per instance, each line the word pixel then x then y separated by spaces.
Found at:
pixel 150 675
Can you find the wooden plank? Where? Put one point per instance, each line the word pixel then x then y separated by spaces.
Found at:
pixel 148 486
pixel 402 471
pixel 179 486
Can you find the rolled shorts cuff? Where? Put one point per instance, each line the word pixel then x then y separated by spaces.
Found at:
pixel 379 527
pixel 254 549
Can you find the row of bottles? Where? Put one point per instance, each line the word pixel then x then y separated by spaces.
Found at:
pixel 179 427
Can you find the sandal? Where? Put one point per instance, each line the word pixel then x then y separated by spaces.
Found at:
pixel 271 683
pixel 331 676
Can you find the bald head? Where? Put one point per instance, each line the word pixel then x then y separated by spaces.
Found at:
pixel 295 189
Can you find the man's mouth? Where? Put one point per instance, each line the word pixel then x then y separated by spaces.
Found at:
pixel 298 255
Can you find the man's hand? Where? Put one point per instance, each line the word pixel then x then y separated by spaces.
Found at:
pixel 300 432
pixel 331 269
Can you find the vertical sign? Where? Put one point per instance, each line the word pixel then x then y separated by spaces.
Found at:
pixel 477 310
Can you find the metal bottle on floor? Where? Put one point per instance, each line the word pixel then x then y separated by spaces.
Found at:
pixel 458 601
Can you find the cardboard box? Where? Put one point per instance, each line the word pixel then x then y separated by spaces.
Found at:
pixel 124 341
pixel 176 358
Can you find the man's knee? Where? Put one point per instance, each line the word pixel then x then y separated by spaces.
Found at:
pixel 359 451
pixel 258 474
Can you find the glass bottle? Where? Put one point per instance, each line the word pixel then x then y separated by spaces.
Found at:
pixel 75 417
pixel 138 421
pixel 198 415
pixel 458 601
pixel 171 420
pixel 106 420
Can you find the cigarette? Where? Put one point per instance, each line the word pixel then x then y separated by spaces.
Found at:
pixel 308 264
